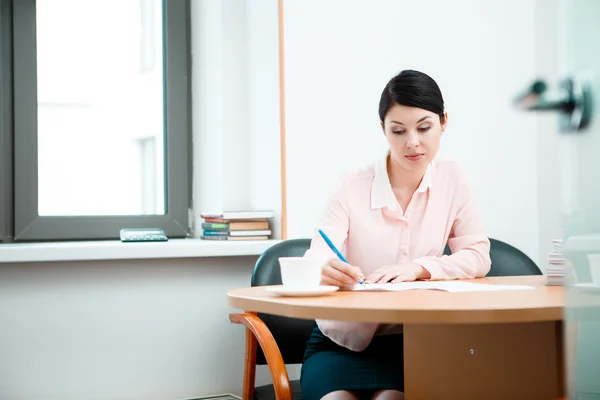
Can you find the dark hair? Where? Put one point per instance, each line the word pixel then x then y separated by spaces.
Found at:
pixel 412 89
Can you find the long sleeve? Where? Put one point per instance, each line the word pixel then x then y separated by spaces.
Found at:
pixel 469 245
pixel 334 222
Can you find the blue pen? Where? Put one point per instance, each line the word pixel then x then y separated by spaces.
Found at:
pixel 335 250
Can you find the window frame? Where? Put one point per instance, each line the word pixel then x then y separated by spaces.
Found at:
pixel 28 224
pixel 6 146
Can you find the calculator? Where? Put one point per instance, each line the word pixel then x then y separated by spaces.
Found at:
pixel 143 235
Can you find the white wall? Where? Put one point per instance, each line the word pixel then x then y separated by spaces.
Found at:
pixel 235 103
pixel 126 330
pixel 548 144
pixel 120 330
pixel 339 56
pixel 335 69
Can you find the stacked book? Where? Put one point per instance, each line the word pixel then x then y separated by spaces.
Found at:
pixel 237 225
pixel 555 271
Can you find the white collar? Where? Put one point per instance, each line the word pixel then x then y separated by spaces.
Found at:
pixel 382 194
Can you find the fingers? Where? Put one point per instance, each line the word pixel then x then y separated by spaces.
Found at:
pixel 333 276
pixel 377 275
pixel 401 278
pixel 385 278
pixel 354 272
pixel 325 280
pixel 340 274
pixel 387 274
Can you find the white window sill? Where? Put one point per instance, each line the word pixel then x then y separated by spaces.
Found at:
pixel 116 250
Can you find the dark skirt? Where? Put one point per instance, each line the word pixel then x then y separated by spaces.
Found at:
pixel 328 367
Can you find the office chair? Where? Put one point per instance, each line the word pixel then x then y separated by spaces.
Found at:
pixel 507 260
pixel 282 340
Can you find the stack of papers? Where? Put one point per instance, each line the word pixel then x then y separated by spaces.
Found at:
pixel 555 271
pixel 447 286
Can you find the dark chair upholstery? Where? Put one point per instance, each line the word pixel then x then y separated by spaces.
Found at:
pixel 507 260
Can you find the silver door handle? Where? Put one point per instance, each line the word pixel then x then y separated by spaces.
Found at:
pixel 572 101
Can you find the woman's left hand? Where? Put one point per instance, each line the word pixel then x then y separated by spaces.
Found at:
pixel 406 272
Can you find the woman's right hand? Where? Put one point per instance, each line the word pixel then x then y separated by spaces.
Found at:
pixel 341 274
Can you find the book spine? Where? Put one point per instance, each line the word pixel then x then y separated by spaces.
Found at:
pixel 234 237
pixel 212 225
pixel 215 237
pixel 215 233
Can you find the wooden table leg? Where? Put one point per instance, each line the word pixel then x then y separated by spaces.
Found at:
pixel 484 361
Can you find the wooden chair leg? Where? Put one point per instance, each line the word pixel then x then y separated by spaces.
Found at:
pixel 249 365
pixel 265 339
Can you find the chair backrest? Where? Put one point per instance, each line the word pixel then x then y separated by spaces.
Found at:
pixel 507 260
pixel 291 334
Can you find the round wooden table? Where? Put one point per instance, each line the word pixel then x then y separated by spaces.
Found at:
pixel 545 303
pixel 471 345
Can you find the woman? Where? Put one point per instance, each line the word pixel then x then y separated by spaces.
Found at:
pixel 393 220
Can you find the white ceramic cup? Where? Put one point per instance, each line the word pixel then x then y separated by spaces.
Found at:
pixel 594 262
pixel 301 272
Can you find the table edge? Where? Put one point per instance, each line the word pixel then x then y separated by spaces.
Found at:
pixel 410 316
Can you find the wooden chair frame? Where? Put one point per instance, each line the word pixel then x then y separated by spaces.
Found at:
pixel 257 332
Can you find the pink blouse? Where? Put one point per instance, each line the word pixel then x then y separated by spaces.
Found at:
pixel 364 220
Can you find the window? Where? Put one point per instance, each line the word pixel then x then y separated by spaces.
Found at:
pixel 95 124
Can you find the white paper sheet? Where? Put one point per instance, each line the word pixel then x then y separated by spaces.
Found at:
pixel 447 286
